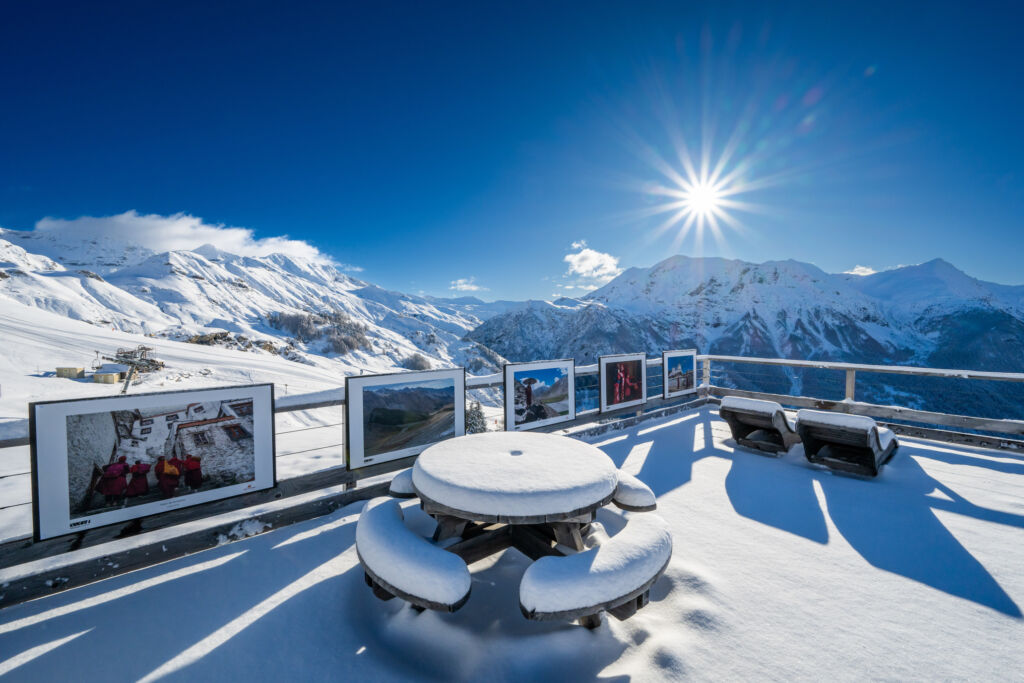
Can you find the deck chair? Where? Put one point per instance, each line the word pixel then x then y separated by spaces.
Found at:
pixel 848 443
pixel 759 425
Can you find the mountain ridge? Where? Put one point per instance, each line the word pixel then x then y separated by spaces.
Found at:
pixel 927 314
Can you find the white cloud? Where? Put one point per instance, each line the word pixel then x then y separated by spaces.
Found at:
pixel 466 284
pixel 591 264
pixel 177 232
pixel 861 270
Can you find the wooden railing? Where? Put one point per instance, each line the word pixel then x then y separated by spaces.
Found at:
pixel 28 573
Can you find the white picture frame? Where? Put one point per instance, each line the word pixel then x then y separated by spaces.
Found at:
pixel 546 374
pixel 668 367
pixel 74 443
pixel 608 364
pixel 365 394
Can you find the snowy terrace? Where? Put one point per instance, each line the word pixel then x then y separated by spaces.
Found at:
pixel 780 571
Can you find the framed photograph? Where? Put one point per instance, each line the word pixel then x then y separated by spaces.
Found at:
pixel 679 372
pixel 623 380
pixel 539 394
pixel 388 417
pixel 94 463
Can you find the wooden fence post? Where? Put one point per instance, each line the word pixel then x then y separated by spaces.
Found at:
pixel 851 380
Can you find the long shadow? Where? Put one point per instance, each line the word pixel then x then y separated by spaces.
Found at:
pixel 670 458
pixel 889 521
pixel 892 524
pixel 972 461
pixel 333 627
pixel 771 491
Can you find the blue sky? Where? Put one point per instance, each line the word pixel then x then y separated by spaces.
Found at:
pixel 447 147
pixel 546 376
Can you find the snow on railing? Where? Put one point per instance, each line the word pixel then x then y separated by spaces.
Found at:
pixel 15 432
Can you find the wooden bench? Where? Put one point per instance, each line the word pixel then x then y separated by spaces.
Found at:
pixel 399 563
pixel 759 425
pixel 401 485
pixel 615 576
pixel 633 495
pixel 848 443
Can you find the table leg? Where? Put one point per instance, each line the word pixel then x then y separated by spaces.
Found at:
pixel 568 534
pixel 448 527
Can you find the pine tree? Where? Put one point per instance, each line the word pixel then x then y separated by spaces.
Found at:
pixel 475 420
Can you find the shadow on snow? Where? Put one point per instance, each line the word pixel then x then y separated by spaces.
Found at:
pixel 890 521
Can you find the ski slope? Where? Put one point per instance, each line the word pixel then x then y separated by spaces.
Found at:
pixel 35 342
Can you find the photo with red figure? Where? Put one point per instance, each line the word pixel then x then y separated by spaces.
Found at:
pixel 125 458
pixel 623 382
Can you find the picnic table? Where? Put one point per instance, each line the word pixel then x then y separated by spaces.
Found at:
pixel 535 492
pixel 529 480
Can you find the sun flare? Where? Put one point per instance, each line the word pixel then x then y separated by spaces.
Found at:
pixel 702 199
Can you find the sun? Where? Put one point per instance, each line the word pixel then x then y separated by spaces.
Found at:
pixel 699 198
pixel 702 199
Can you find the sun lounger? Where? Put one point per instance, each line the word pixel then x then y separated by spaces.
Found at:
pixel 399 563
pixel 848 443
pixel 633 495
pixel 760 425
pixel 615 577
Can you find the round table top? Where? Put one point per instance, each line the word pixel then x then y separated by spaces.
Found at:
pixel 517 477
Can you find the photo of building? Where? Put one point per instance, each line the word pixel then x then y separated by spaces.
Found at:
pixel 130 457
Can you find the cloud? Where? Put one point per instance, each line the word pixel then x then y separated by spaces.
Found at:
pixel 179 232
pixel 861 270
pixel 466 284
pixel 591 264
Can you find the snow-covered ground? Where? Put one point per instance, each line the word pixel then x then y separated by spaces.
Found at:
pixel 780 571
pixel 35 342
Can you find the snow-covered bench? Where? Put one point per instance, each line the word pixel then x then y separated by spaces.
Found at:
pixel 615 576
pixel 401 485
pixel 634 495
pixel 399 563
pixel 850 443
pixel 760 425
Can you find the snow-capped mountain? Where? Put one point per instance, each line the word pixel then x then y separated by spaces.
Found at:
pixel 303 309
pixel 277 304
pixel 931 315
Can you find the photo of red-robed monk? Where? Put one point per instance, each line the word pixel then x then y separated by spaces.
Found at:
pixel 623 380
pixel 123 458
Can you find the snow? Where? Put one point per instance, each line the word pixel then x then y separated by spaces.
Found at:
pixel 606 572
pixel 178 294
pixel 751 405
pixel 633 492
pixel 843 420
pixel 885 437
pixel 754 405
pixel 401 485
pixel 781 570
pixel 514 474
pixel 244 529
pixel 410 563
pixel 37 341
